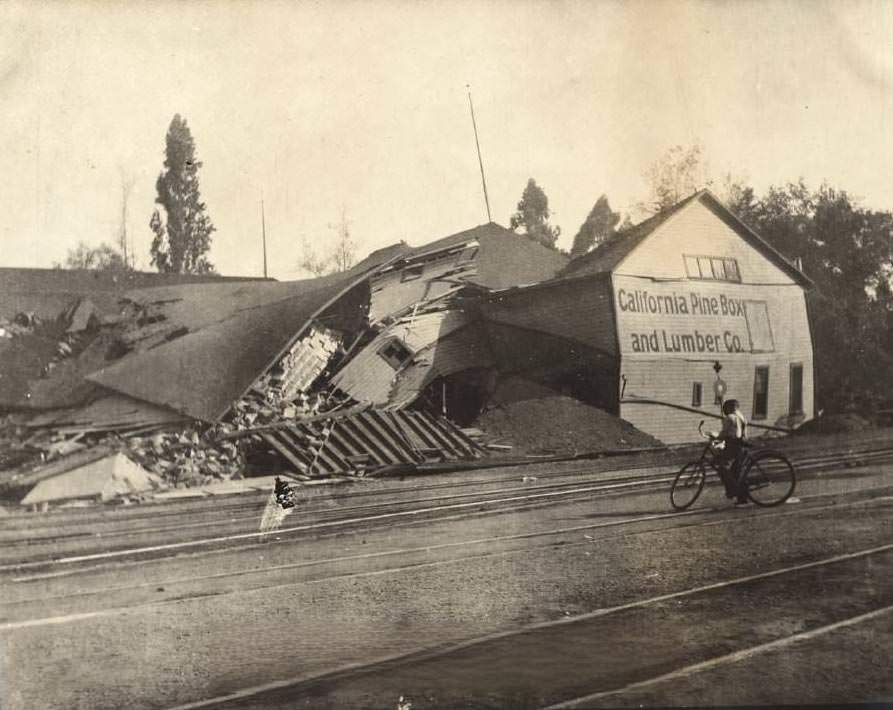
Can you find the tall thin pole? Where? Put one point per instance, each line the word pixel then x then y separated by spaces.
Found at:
pixel 263 229
pixel 478 146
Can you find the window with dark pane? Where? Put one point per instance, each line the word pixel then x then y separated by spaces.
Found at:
pixel 760 392
pixel 395 353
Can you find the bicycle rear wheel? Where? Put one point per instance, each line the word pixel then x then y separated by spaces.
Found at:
pixel 687 485
pixel 769 478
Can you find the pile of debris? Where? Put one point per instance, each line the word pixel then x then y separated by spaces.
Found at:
pixel 189 456
pixel 285 392
pixel 555 425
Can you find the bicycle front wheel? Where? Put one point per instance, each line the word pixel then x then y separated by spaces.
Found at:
pixel 688 484
pixel 769 479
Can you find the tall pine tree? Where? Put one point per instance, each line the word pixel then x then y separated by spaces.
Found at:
pixel 533 215
pixel 183 232
pixel 600 225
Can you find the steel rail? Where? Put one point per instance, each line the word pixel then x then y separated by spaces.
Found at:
pixel 405 552
pixel 355 514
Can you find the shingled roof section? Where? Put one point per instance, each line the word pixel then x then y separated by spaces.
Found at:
pixel 203 372
pixel 48 292
pixel 608 255
pixel 505 257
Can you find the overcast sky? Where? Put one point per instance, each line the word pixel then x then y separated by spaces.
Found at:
pixel 320 107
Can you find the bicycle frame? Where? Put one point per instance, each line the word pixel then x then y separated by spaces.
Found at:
pixel 709 455
pixel 689 482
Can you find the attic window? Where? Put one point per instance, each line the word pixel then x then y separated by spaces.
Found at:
pixel 713 268
pixel 395 353
pixel 411 273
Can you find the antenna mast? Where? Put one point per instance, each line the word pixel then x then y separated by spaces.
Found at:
pixel 263 229
pixel 478 146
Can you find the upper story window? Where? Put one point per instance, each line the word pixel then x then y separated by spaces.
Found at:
pixel 714 268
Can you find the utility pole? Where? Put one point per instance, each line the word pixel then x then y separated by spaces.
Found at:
pixel 263 230
pixel 478 146
pixel 127 183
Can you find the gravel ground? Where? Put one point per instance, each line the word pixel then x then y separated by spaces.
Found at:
pixel 157 655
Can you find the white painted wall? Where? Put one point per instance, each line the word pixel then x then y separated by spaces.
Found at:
pixel 714 322
pixel 696 230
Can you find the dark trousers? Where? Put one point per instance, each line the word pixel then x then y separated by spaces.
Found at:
pixel 729 462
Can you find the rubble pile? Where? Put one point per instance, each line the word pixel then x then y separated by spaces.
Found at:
pixel 189 456
pixel 265 404
pixel 286 392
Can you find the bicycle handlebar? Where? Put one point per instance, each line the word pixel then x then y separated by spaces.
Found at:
pixel 708 435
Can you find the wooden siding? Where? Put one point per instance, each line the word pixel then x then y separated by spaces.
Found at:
pixel 577 309
pixel 666 374
pixel 710 320
pixel 369 378
pixel 697 231
pixel 440 275
pixel 670 381
pixel 461 350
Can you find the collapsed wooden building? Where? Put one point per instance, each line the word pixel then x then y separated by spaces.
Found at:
pixel 323 375
pixel 227 360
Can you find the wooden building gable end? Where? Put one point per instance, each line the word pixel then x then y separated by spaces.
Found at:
pixel 697 244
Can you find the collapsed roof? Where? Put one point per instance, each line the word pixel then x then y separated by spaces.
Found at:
pixel 195 349
pixel 48 292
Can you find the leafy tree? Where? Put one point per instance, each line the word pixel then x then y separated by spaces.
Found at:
pixel 533 215
pixel 103 257
pixel 340 257
pixel 675 175
pixel 739 197
pixel 310 261
pixel 183 234
pixel 845 249
pixel 600 224
pixel 626 224
pixel 344 252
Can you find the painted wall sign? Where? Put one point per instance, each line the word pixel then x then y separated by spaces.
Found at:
pixel 701 319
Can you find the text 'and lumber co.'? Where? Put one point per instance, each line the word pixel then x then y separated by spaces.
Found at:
pixel 681 322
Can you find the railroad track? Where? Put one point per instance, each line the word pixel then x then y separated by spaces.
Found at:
pixel 159 585
pixel 215 524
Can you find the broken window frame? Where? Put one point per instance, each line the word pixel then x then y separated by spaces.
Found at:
pixel 397 359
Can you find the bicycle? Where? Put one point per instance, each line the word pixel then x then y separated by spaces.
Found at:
pixel 765 476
